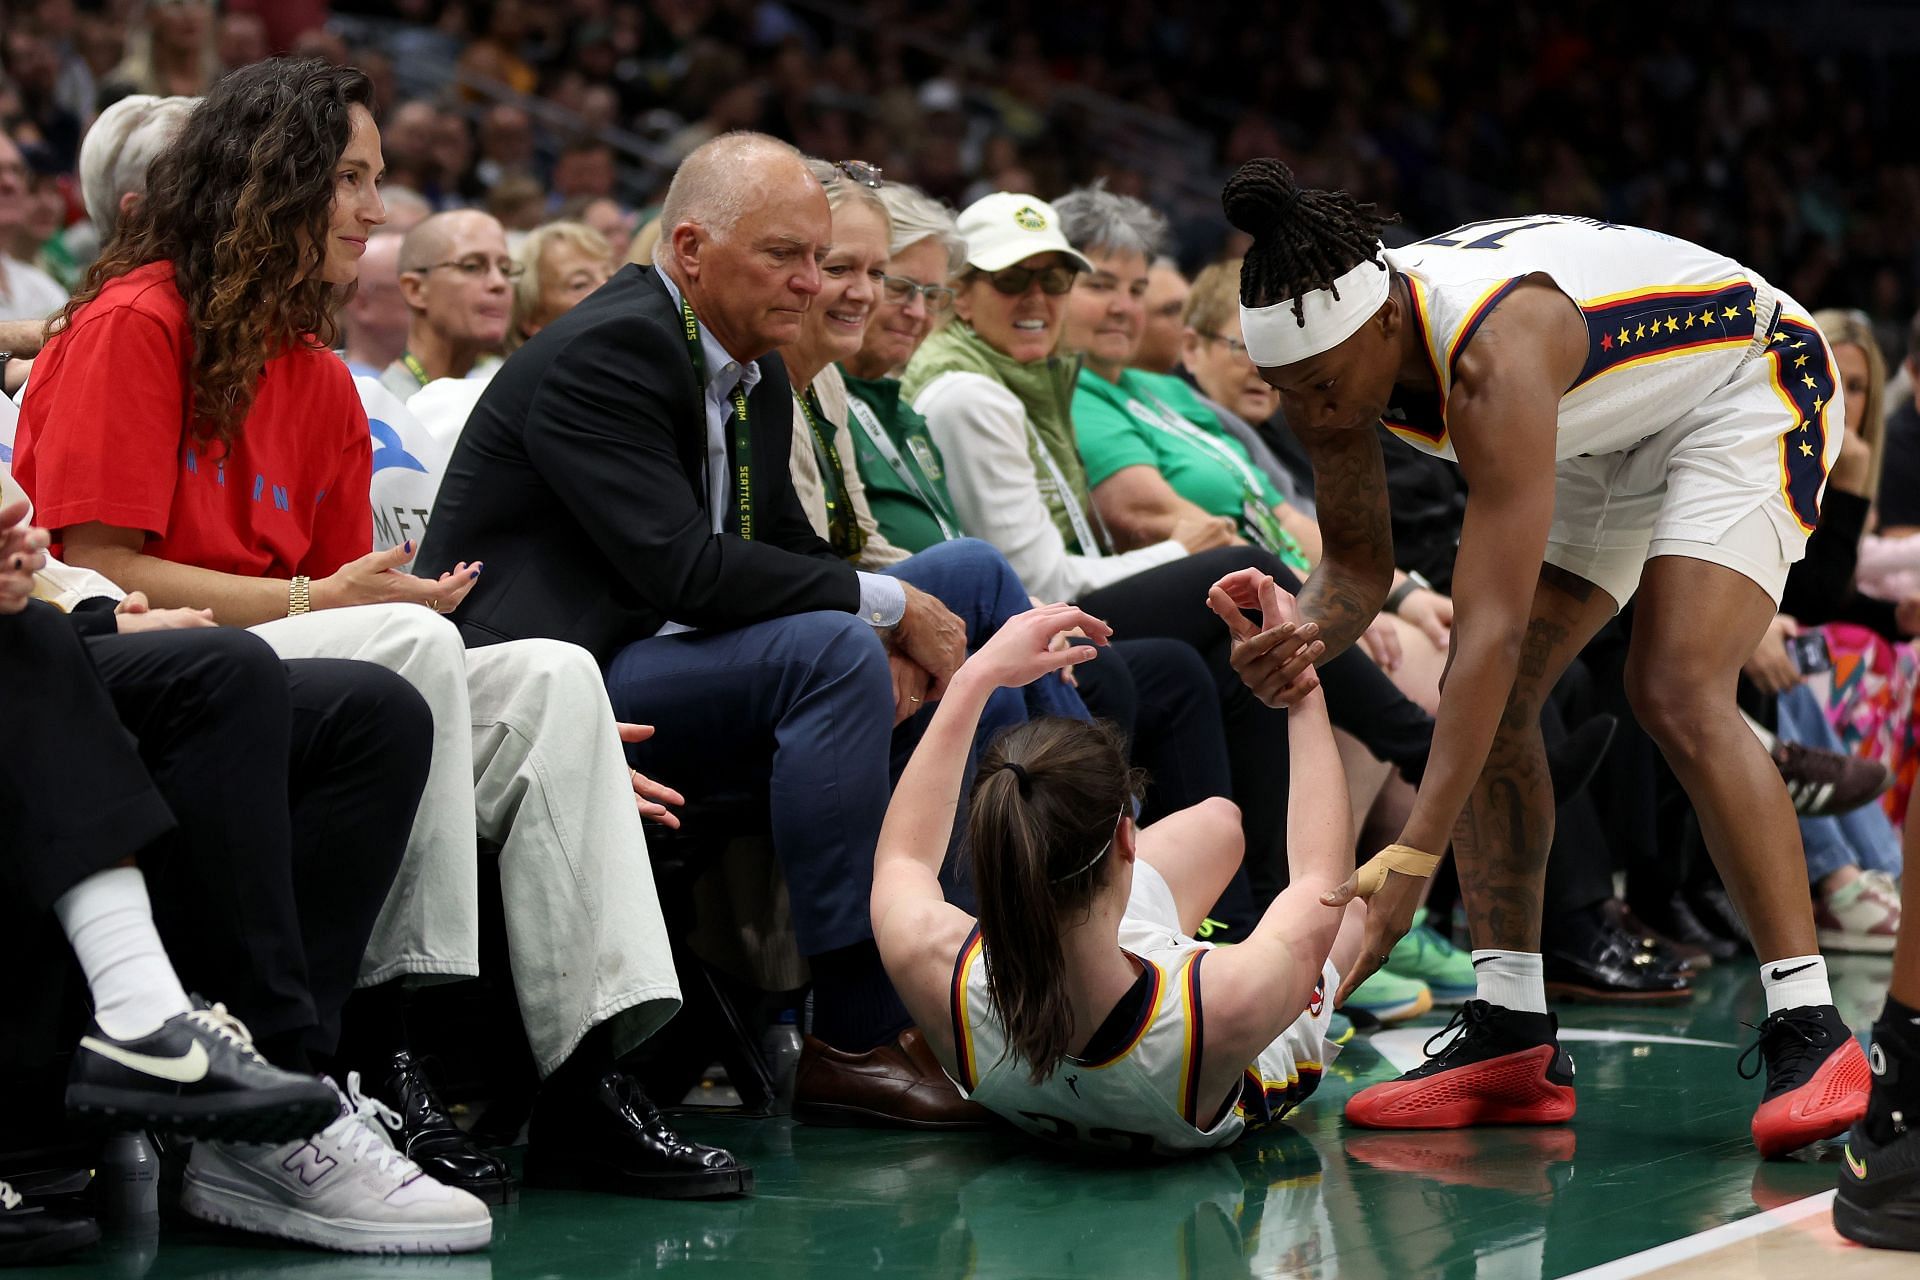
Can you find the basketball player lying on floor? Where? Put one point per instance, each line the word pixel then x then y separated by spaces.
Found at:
pixel 1074 1006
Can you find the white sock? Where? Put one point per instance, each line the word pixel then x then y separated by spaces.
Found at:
pixel 1511 979
pixel 1795 982
pixel 109 922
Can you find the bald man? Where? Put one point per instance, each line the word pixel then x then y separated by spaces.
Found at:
pixel 376 318
pixel 456 280
pixel 626 478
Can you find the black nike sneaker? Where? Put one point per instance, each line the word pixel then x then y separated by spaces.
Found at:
pixel 1879 1199
pixel 200 1075
pixel 1816 1079
pixel 1504 1067
pixel 31 1232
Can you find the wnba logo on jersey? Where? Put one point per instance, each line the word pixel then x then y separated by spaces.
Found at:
pixel 1318 999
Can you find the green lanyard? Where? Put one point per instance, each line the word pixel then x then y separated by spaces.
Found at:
pixel 1257 518
pixel 742 441
pixel 910 474
pixel 843 524
pixel 414 367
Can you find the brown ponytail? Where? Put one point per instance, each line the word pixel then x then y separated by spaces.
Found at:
pixel 1045 801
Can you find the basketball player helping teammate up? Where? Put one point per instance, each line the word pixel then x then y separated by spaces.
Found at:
pixel 1633 414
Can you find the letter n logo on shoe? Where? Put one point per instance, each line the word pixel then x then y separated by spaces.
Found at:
pixel 308 1163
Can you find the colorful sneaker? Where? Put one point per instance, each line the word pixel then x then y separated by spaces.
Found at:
pixel 344 1188
pixel 1817 1079
pixel 197 1074
pixel 1387 998
pixel 1427 954
pixel 1504 1067
pixel 1879 1199
pixel 1861 915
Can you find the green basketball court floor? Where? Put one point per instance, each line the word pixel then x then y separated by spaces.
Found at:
pixel 1656 1176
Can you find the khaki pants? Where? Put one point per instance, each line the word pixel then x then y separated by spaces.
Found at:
pixel 524 756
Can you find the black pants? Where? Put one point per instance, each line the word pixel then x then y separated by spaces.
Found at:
pixel 266 802
pixel 1171 602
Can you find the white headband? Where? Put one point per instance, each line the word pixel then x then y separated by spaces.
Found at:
pixel 1274 337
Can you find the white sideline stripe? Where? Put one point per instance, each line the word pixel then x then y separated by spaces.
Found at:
pixel 1404 1047
pixel 1708 1241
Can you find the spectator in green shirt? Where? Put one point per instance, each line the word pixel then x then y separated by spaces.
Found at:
pixel 905 477
pixel 1154 454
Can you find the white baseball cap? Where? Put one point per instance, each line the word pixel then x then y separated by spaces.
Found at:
pixel 1008 227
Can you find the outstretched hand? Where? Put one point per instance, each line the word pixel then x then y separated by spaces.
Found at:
pixel 1389 915
pixel 1023 650
pixel 1275 659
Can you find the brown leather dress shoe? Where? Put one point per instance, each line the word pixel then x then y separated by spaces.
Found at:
pixel 898 1085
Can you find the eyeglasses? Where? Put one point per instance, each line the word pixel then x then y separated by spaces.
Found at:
pixel 1014 281
pixel 1234 345
pixel 860 172
pixel 900 291
pixel 475 267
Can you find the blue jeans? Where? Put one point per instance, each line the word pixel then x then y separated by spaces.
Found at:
pixel 1862 837
pixel 797 710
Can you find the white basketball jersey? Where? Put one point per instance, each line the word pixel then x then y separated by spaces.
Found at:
pixel 1668 322
pixel 1145 1096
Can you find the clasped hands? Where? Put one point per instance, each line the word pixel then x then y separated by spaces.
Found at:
pixel 1275 660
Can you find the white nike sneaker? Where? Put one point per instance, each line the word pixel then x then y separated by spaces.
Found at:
pixel 344 1188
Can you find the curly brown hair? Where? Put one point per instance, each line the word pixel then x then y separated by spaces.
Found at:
pixel 241 204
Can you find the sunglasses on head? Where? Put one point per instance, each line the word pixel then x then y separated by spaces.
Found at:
pixel 1014 281
pixel 861 173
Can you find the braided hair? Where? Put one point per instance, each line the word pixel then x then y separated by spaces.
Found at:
pixel 1302 240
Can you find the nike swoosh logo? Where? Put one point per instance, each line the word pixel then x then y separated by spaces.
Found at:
pixel 1858 1167
pixel 1484 960
pixel 189 1068
pixel 1779 974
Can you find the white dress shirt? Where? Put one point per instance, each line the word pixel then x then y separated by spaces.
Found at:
pixel 883 600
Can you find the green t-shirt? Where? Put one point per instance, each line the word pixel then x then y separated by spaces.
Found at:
pixel 1155 420
pixel 909 501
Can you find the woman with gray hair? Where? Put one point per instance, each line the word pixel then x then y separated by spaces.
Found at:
pixel 119 149
pixel 560 264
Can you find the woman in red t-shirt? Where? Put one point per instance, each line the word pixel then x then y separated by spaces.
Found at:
pixel 189 434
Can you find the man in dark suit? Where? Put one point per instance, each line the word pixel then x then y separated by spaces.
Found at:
pixel 625 479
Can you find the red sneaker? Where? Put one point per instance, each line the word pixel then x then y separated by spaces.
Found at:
pixel 1505 1067
pixel 1817 1079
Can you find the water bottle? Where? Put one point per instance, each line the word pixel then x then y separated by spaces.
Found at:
pixel 781 1048
pixel 128 1183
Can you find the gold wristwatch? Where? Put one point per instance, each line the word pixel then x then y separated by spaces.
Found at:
pixel 299 596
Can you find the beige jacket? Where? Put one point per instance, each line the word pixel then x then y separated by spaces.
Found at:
pixel 878 553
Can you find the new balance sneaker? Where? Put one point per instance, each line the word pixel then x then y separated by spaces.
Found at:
pixel 1817 1078
pixel 1878 1202
pixel 1430 956
pixel 1861 915
pixel 32 1232
pixel 344 1188
pixel 198 1074
pixel 1502 1067
pixel 1387 998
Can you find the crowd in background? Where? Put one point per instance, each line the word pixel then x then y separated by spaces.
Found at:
pixel 1729 129
pixel 528 149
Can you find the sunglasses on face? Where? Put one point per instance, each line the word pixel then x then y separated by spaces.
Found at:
pixel 900 291
pixel 1014 281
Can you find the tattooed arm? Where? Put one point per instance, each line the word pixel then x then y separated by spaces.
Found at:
pixel 1344 593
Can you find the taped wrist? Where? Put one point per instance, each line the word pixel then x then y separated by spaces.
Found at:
pixel 1372 875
